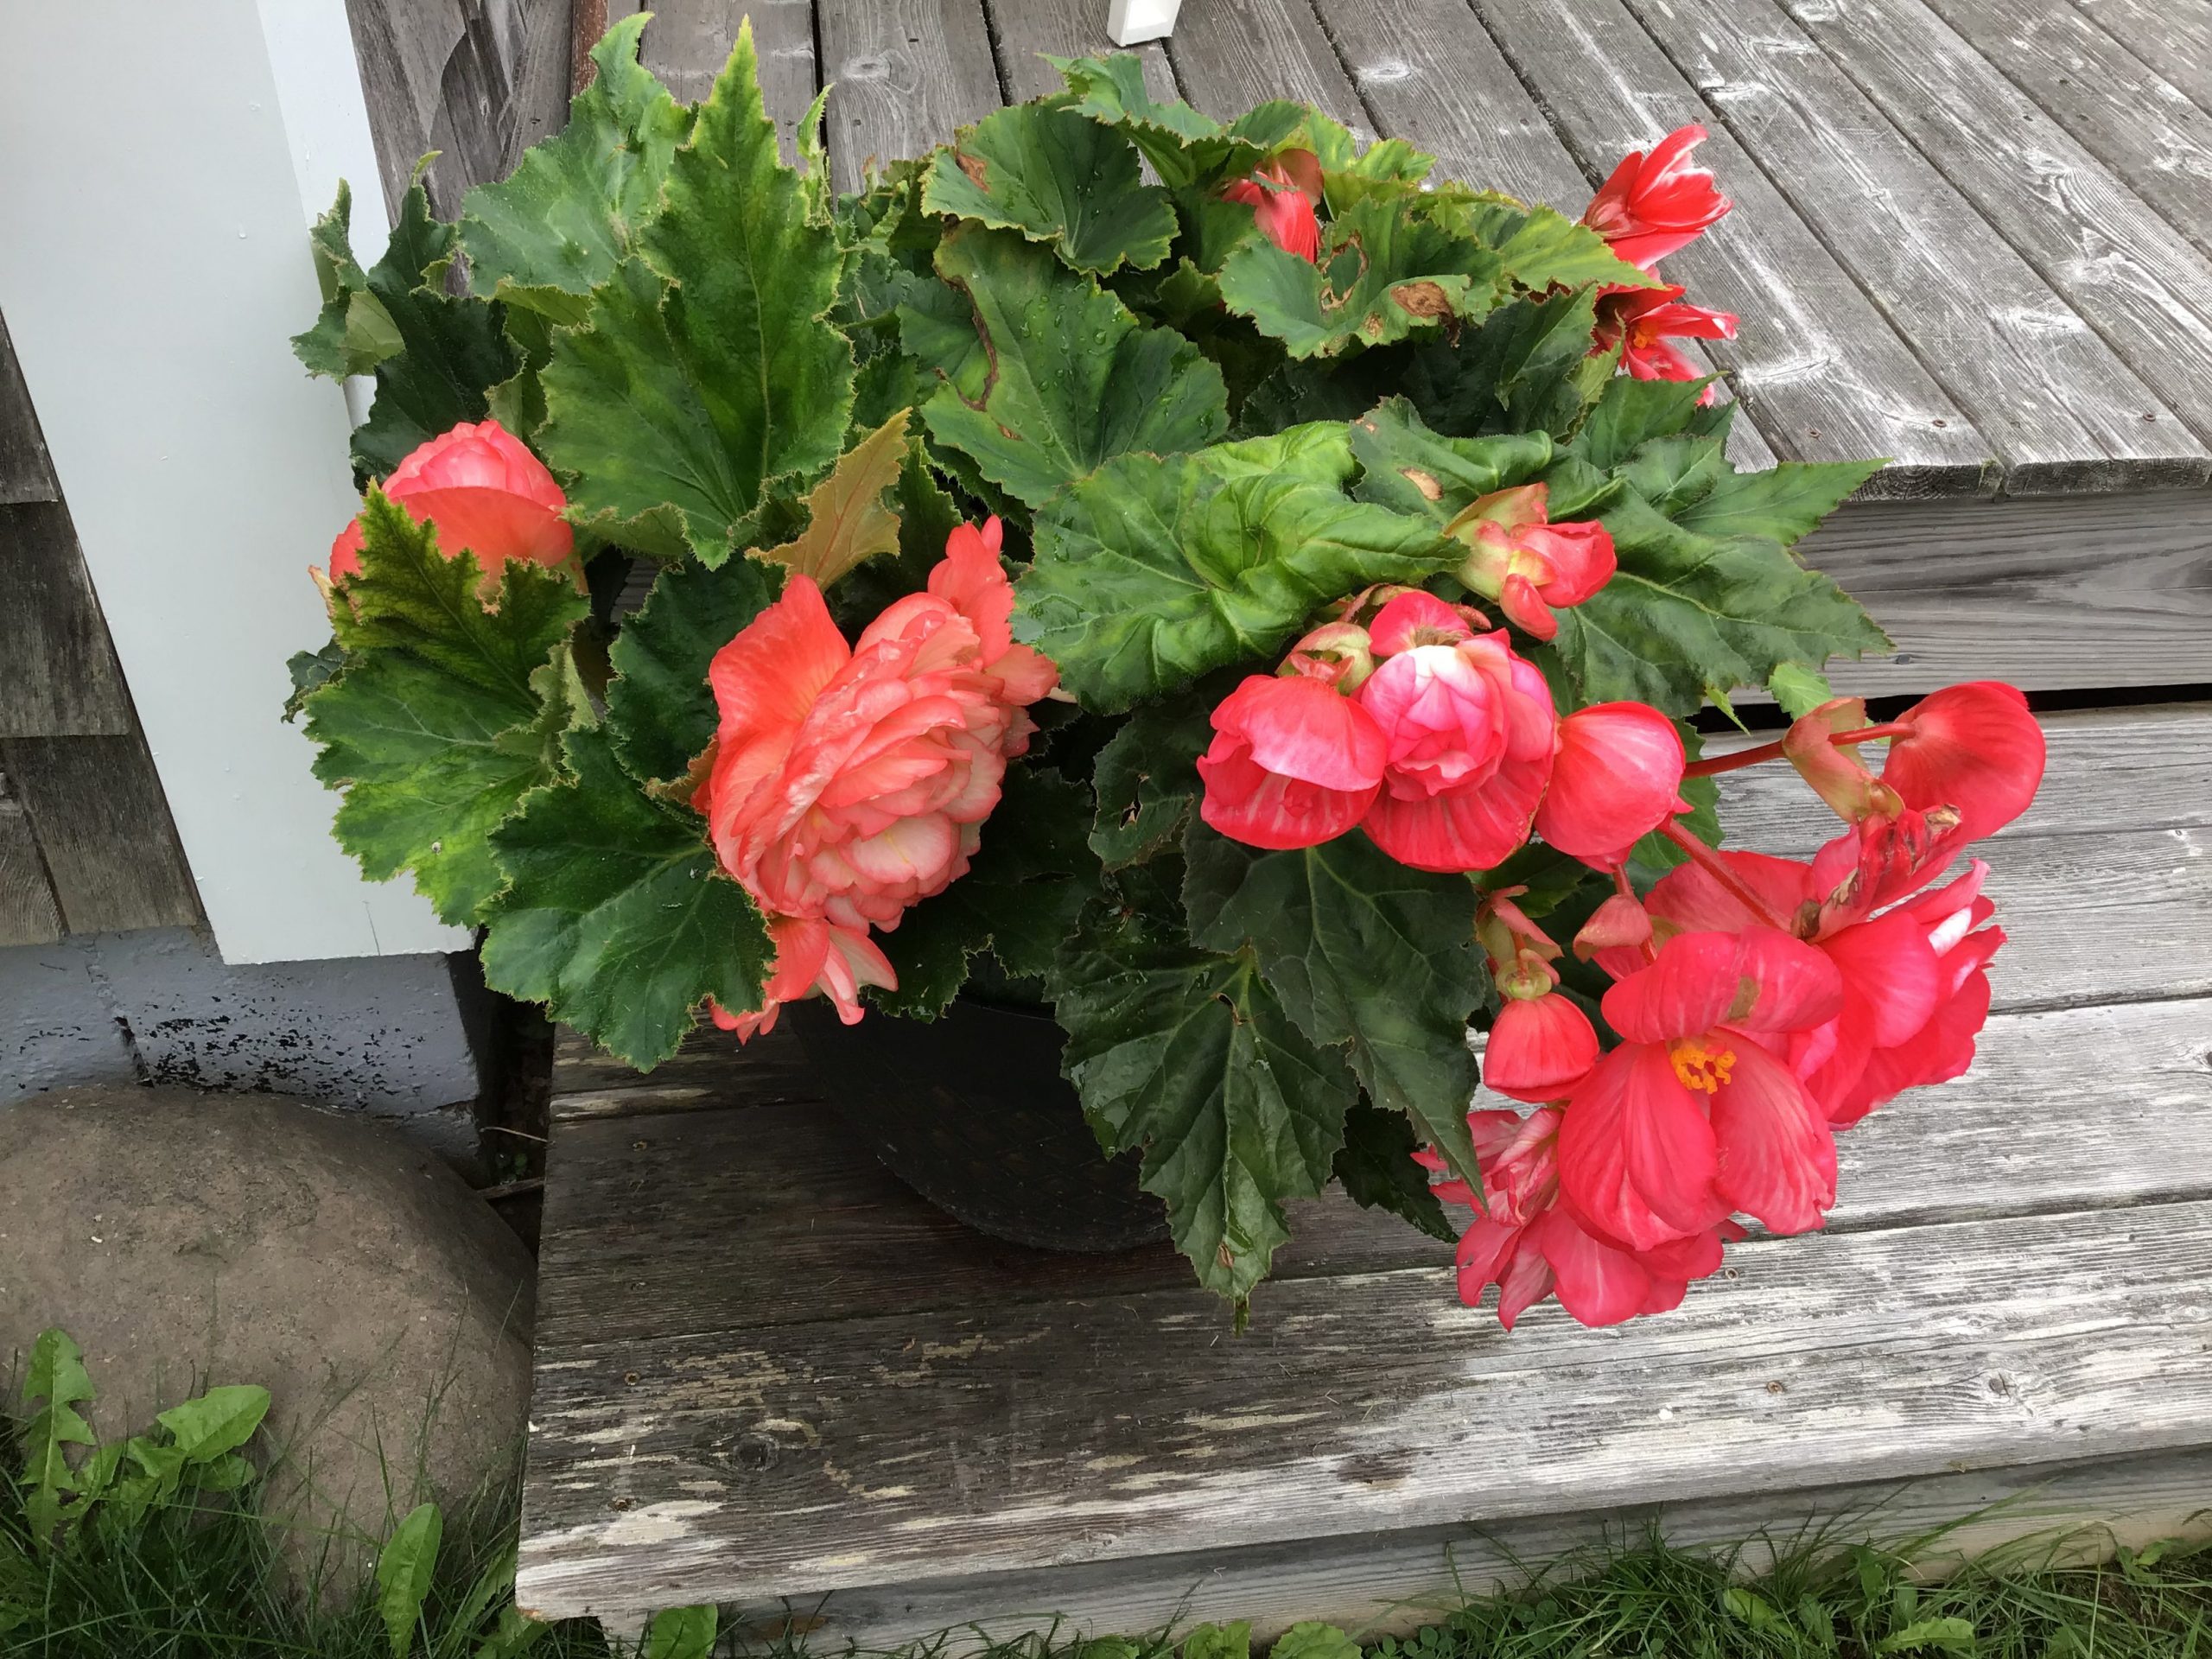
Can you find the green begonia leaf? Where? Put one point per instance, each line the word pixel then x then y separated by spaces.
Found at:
pixel 660 710
pixel 618 919
pixel 556 227
pixel 1055 177
pixel 1146 779
pixel 1362 951
pixel 1191 1057
pixel 1527 367
pixel 1185 148
pixel 1690 616
pixel 1386 269
pixel 1152 572
pixel 1413 470
pixel 1631 413
pixel 433 726
pixel 1538 248
pixel 1376 1169
pixel 434 355
pixel 1022 899
pixel 1068 378
pixel 707 372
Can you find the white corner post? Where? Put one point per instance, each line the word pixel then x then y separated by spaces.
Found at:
pixel 159 165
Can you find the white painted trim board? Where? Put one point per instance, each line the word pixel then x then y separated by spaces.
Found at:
pixel 155 188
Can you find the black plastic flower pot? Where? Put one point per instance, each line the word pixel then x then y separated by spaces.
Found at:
pixel 970 1110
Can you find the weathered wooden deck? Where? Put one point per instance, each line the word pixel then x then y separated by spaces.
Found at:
pixel 1972 235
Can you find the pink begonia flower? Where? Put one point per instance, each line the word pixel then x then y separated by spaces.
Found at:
pixel 847 783
pixel 1293 762
pixel 1530 566
pixel 484 491
pixel 1526 1241
pixel 1617 777
pixel 1693 1117
pixel 1282 196
pixel 1914 978
pixel 1470 732
pixel 1652 205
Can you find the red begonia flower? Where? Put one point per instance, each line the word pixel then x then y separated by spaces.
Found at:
pixel 1915 980
pixel 1693 1116
pixel 812 954
pixel 1973 747
pixel 1293 763
pixel 1539 1048
pixel 1653 204
pixel 1282 196
pixel 1640 320
pixel 1530 1243
pixel 1531 566
pixel 1617 777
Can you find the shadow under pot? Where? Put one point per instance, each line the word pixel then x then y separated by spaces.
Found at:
pixel 970 1110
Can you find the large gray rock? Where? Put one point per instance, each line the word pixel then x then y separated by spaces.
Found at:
pixel 186 1239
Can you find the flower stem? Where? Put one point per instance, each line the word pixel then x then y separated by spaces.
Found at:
pixel 1712 766
pixel 1717 866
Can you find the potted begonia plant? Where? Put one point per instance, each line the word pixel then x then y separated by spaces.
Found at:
pixel 1254 619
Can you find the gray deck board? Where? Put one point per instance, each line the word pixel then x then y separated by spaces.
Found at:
pixel 2145 128
pixel 1823 373
pixel 1230 55
pixel 911 1446
pixel 903 75
pixel 2064 412
pixel 2138 280
pixel 2172 38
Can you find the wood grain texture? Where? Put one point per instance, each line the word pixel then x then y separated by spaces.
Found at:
pixel 2064 412
pixel 104 825
pixel 2140 125
pixel 763 1215
pixel 2172 38
pixel 28 914
pixel 26 473
pixel 903 75
pixel 2091 591
pixel 1822 372
pixel 918 1445
pixel 477 80
pixel 1065 28
pixel 57 673
pixel 1427 75
pixel 2136 281
pixel 1395 1582
pixel 687 42
pixel 1230 55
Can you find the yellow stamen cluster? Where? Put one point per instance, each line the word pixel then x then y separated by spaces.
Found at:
pixel 1702 1068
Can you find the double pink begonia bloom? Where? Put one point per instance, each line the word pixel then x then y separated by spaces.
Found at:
pixel 484 491
pixel 850 782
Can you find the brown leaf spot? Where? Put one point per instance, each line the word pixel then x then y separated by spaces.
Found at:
pixel 1425 482
pixel 973 167
pixel 1422 299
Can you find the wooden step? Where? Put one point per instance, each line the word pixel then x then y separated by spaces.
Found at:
pixel 766 1370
